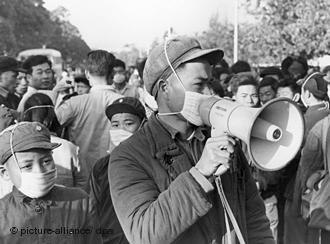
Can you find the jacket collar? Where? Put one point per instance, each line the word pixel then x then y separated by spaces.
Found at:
pixel 161 137
pixel 4 92
pixel 197 133
pixel 100 88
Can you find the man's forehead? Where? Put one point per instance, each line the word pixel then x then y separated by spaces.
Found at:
pixel 123 116
pixel 198 67
pixel 41 66
pixel 247 89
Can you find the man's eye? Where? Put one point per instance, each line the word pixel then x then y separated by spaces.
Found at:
pixel 29 166
pixel 115 126
pixel 47 161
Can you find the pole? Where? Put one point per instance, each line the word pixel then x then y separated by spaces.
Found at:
pixel 236 31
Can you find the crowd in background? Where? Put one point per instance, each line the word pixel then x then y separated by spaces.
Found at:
pixel 87 115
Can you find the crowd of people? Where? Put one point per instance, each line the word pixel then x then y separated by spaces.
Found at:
pixel 122 156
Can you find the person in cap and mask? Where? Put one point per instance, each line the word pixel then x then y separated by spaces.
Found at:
pixel 38 211
pixel 71 167
pixel 120 81
pixel 314 97
pixel 161 178
pixel 127 116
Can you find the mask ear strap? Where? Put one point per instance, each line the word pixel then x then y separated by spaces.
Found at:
pixel 169 63
pixel 12 146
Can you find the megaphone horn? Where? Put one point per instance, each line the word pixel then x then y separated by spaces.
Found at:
pixel 273 133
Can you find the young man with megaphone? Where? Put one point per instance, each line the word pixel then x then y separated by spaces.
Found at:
pixel 162 178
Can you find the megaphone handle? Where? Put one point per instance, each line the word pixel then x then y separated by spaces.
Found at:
pixel 221 170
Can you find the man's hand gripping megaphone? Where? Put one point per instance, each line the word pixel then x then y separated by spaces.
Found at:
pixel 216 156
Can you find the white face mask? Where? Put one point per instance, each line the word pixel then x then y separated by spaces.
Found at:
pixel 36 185
pixel 118 136
pixel 192 100
pixel 190 110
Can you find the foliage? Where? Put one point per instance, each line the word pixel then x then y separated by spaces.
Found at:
pixel 281 28
pixel 26 24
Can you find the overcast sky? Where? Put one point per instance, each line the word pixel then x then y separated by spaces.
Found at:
pixel 110 24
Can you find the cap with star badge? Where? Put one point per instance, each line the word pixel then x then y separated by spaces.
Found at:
pixel 22 137
pixel 129 105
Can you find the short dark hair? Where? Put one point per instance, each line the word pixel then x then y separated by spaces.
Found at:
pixel 289 83
pixel 241 80
pixel 119 63
pixel 100 63
pixel 218 70
pixel 240 66
pixel 268 81
pixel 46 115
pixel 82 79
pixel 35 60
pixel 288 61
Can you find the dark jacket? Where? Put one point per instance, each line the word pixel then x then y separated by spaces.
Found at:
pixel 64 215
pixel 312 116
pixel 112 233
pixel 158 201
pixel 10 101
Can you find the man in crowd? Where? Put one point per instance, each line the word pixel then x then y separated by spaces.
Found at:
pixel 267 89
pixel 22 85
pixel 310 174
pixel 289 89
pixel 120 82
pixel 294 67
pixel 40 211
pixel 314 97
pixel 84 115
pixel 9 69
pixel 126 116
pixel 82 85
pixel 40 77
pixel 245 93
pixel 245 90
pixel 161 178
pixel 326 72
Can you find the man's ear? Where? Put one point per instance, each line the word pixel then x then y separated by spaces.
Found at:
pixel 4 173
pixel 162 87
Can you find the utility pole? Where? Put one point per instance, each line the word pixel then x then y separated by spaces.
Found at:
pixel 235 31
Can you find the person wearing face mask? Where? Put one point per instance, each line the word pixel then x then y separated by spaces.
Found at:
pixel 120 82
pixel 126 116
pixel 37 210
pixel 162 177
pixel 71 167
pixel 314 97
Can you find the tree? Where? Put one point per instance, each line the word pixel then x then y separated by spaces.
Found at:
pixel 27 24
pixel 281 28
pixel 218 35
pixel 285 27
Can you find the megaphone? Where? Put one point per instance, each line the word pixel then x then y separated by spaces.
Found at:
pixel 273 133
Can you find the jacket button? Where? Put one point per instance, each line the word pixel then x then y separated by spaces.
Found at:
pixel 38 209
